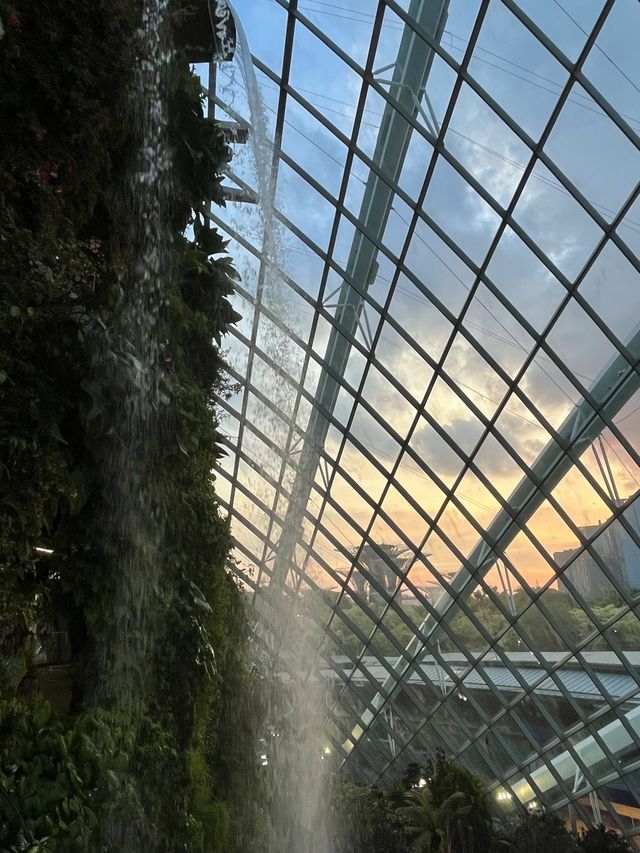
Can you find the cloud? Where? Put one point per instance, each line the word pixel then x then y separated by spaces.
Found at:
pixel 441 458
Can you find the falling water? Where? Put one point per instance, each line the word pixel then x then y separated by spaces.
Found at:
pixel 262 152
pixel 134 506
pixel 131 364
pixel 297 754
pixel 294 751
pixel 259 224
pixel 271 292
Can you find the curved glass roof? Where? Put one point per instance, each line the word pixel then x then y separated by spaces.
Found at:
pixel 433 439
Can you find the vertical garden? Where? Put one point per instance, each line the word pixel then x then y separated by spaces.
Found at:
pixel 79 768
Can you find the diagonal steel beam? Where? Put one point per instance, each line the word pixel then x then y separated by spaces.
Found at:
pixel 407 86
pixel 615 386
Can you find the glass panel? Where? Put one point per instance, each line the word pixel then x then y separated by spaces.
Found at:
pixel 317 226
pixel 568 29
pixel 397 355
pixel 419 318
pixel 485 146
pixel 517 595
pixel 396 411
pixel 556 223
pixel 525 281
pixel 629 228
pixel 611 64
pixel 517 70
pixel 611 289
pixel 460 211
pixel 593 153
pixel 373 435
pixel 309 54
pixel 569 338
pixel 313 147
pixel 497 331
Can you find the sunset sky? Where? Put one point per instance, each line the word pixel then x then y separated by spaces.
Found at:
pixel 526 81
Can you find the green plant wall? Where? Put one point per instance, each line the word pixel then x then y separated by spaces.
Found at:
pixel 65 148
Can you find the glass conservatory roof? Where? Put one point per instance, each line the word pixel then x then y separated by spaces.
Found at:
pixel 432 436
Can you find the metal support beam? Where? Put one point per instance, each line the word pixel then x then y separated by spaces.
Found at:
pixel 411 71
pixel 615 386
pixel 614 735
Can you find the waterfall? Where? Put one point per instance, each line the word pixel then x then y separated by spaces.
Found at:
pixel 131 365
pixel 262 151
pixel 293 752
pixel 135 514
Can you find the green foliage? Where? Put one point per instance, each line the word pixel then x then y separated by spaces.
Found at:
pixel 65 236
pixel 368 820
pixel 425 821
pixel 61 129
pixel 50 776
pixel 545 833
pixel 598 839
pixel 541 833
pixel 60 145
pixel 576 625
pixel 451 811
pixel 448 814
pixel 198 149
pixel 62 781
pixel 443 808
pixel 46 780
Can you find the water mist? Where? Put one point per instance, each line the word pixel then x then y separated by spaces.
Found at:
pixel 292 750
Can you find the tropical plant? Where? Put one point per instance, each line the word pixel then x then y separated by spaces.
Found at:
pixel 599 839
pixel 449 812
pixel 541 833
pixel 367 820
pixel 424 821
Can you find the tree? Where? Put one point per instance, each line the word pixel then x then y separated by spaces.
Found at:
pixel 367 821
pixel 451 812
pixel 423 821
pixel 598 839
pixel 541 833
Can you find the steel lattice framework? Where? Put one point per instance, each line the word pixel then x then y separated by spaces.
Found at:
pixel 434 439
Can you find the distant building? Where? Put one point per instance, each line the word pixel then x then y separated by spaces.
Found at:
pixel 617 551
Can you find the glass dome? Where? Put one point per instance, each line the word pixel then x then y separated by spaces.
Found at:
pixel 432 432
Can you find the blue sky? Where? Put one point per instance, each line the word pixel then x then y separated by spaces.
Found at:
pixel 525 80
